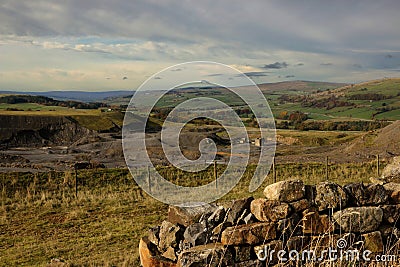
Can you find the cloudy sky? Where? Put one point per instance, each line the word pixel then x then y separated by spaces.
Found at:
pixel 98 45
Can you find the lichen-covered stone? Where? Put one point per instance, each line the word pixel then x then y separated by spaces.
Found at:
pixel 187 215
pixel 196 234
pixel 237 209
pixel 314 223
pixel 285 191
pixel 297 243
pixel 212 255
pixel 330 196
pixel 391 214
pixel 248 234
pixel 359 219
pixel 373 242
pixel 170 235
pixel 150 256
pixel 289 227
pixel 269 210
pixel 300 205
pixel 394 192
pixel 241 253
pixel 363 195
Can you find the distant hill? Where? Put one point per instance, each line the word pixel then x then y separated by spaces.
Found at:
pixel 377 99
pixel 75 95
pixel 300 86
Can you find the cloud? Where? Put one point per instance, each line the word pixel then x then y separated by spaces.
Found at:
pixel 356 65
pixel 276 65
pixel 290 76
pixel 256 74
pixel 93 35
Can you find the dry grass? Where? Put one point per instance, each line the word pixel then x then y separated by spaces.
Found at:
pixel 41 219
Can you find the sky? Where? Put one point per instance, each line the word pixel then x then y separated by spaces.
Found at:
pixel 98 45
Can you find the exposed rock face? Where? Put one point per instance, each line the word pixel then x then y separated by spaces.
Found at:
pixel 243 231
pixel 359 219
pixel 286 191
pixel 38 131
pixel 269 210
pixel 330 196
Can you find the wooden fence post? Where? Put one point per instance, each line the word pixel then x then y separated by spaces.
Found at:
pixel 377 165
pixel 274 169
pixel 215 174
pixel 326 168
pixel 76 183
pixel 148 178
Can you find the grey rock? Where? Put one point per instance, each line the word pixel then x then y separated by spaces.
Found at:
pixel 393 191
pixel 359 219
pixel 211 255
pixel 236 208
pixel 154 233
pixel 363 195
pixel 187 215
pixel 196 234
pixel 330 196
pixel 217 216
pixel 170 235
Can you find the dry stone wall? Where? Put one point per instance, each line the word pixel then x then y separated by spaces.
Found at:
pixel 291 216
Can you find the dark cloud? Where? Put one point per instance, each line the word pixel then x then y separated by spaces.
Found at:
pixel 290 76
pixel 300 64
pixel 356 65
pixel 326 64
pixel 276 65
pixel 389 56
pixel 256 74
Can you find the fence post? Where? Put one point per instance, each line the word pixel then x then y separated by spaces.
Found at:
pixel 148 178
pixel 377 165
pixel 215 174
pixel 76 183
pixel 326 168
pixel 273 169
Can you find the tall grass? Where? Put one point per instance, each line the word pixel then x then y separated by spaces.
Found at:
pixel 41 218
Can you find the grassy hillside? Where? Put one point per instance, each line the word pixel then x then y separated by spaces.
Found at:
pixel 378 99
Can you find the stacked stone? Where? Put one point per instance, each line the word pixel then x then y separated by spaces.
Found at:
pixel 290 216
